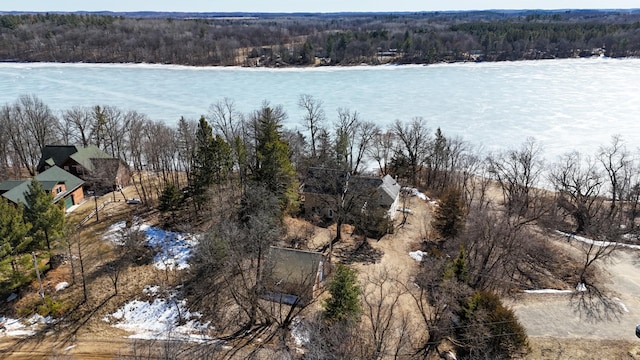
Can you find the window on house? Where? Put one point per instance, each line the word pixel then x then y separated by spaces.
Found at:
pixel 58 189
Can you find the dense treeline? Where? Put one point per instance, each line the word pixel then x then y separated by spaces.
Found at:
pixel 318 39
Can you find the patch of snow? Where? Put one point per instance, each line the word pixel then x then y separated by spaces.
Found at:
pixel 622 305
pixel 596 242
pixel 548 291
pixel 151 290
pixel 299 332
pixel 581 287
pixel 61 286
pixel 174 249
pixel 12 297
pixel 417 193
pixel 160 319
pixel 17 328
pixel 417 255
pixel 69 347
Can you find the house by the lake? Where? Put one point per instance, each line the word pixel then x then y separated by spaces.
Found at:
pixel 327 190
pixel 62 185
pixel 100 171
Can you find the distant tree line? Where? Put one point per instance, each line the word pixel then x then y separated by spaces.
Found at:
pixel 302 39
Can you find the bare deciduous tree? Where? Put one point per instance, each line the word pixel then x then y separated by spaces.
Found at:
pixel 31 125
pixel 578 183
pixel 314 118
pixel 517 172
pixel 414 141
pixel 381 149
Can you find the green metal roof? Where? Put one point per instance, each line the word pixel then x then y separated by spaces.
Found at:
pixel 84 155
pixel 59 154
pixel 48 179
pixel 9 184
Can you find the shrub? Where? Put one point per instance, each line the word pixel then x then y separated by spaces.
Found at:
pixel 490 329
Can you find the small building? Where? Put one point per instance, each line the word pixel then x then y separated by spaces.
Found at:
pixel 292 276
pixel 326 189
pixel 62 185
pixel 100 171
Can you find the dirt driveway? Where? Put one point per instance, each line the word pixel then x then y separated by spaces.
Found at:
pixel 553 315
pixel 557 330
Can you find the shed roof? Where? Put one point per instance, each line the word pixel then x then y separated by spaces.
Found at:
pixel 293 266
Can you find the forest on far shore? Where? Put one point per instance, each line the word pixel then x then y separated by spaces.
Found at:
pixel 317 39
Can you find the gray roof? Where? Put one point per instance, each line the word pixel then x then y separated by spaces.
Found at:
pixel 293 266
pixel 332 182
pixel 325 181
pixel 389 189
pixel 290 275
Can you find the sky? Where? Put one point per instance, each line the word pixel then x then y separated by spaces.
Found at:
pixel 306 6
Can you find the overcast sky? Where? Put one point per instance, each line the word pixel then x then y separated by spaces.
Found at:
pixel 306 6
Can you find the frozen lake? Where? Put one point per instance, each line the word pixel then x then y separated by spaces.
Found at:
pixel 565 104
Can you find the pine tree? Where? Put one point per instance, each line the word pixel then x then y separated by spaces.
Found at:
pixel 13 230
pixel 448 220
pixel 46 218
pixel 458 268
pixel 273 168
pixel 344 302
pixel 212 162
pixel 222 161
pixel 170 198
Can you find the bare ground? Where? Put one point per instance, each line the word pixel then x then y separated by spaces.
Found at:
pixel 556 330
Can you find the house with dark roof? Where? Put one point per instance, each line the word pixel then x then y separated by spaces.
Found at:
pixel 63 186
pixel 326 189
pixel 292 276
pixel 100 171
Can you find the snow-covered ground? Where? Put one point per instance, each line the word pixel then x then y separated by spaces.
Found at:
pixel 22 328
pixel 164 316
pixel 596 242
pixel 159 319
pixel 174 249
pixel 548 291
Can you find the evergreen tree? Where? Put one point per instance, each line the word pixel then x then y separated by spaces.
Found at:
pixel 212 162
pixel 448 219
pixel 46 218
pixel 273 168
pixel 458 269
pixel 13 229
pixel 170 198
pixel 344 302
pixel 489 329
pixel 222 161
